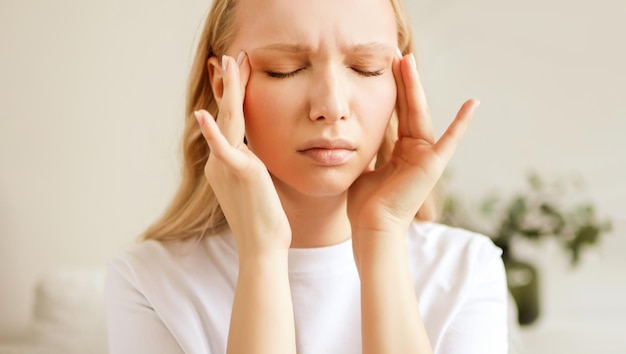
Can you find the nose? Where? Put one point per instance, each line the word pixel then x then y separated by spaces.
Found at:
pixel 329 98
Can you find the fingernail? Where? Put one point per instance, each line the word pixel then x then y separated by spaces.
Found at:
pixel 224 63
pixel 399 53
pixel 198 116
pixel 413 61
pixel 240 57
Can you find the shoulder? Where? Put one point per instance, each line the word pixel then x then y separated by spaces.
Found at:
pixel 451 257
pixel 170 261
pixel 438 240
pixel 142 264
pixel 197 276
pixel 460 278
pixel 149 254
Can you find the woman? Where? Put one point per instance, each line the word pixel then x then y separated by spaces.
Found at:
pixel 294 227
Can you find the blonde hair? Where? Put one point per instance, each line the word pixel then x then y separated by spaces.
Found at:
pixel 195 211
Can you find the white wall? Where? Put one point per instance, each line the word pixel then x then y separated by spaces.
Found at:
pixel 92 92
pixel 550 76
pixel 91 104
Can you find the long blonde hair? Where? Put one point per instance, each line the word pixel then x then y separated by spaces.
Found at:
pixel 195 211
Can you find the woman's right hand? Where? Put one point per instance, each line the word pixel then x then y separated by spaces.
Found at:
pixel 262 313
pixel 240 181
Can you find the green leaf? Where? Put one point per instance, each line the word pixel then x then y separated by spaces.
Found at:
pixel 588 234
pixel 535 182
pixel 518 208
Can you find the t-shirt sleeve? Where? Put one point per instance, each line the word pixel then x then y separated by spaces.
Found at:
pixel 132 324
pixel 480 324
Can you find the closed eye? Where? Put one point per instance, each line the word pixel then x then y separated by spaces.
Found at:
pixel 283 75
pixel 367 73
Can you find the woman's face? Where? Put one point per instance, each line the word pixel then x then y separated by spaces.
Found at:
pixel 321 90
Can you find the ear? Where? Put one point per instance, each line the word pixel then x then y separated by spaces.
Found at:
pixel 214 67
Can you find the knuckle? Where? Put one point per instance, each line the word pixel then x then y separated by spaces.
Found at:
pixel 226 115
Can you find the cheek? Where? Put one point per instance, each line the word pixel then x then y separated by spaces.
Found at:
pixel 258 100
pixel 266 111
pixel 376 102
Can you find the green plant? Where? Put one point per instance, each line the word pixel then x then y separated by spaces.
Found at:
pixel 540 210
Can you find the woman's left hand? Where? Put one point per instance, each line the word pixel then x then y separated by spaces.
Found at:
pixel 385 200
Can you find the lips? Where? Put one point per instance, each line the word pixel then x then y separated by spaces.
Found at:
pixel 327 144
pixel 328 152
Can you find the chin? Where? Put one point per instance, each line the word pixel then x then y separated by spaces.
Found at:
pixel 329 185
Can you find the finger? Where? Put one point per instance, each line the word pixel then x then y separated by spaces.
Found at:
pixel 419 121
pixel 230 117
pixel 244 72
pixel 401 109
pixel 218 144
pixel 448 142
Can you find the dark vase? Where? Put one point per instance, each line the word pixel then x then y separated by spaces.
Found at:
pixel 523 283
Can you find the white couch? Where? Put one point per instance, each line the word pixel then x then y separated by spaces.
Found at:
pixel 68 315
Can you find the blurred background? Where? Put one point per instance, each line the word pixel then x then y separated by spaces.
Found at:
pixel 91 104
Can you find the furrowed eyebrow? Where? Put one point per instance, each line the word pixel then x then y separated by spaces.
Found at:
pixel 283 47
pixel 368 54
pixel 370 47
pixel 295 48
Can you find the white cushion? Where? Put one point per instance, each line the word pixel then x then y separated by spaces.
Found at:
pixel 69 314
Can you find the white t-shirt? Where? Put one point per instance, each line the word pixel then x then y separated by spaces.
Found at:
pixel 176 297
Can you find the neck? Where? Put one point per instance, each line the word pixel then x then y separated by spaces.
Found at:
pixel 315 221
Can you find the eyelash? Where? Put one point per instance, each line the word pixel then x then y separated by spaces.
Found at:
pixel 279 75
pixel 368 73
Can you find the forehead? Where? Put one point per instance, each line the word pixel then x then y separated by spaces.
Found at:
pixel 315 23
